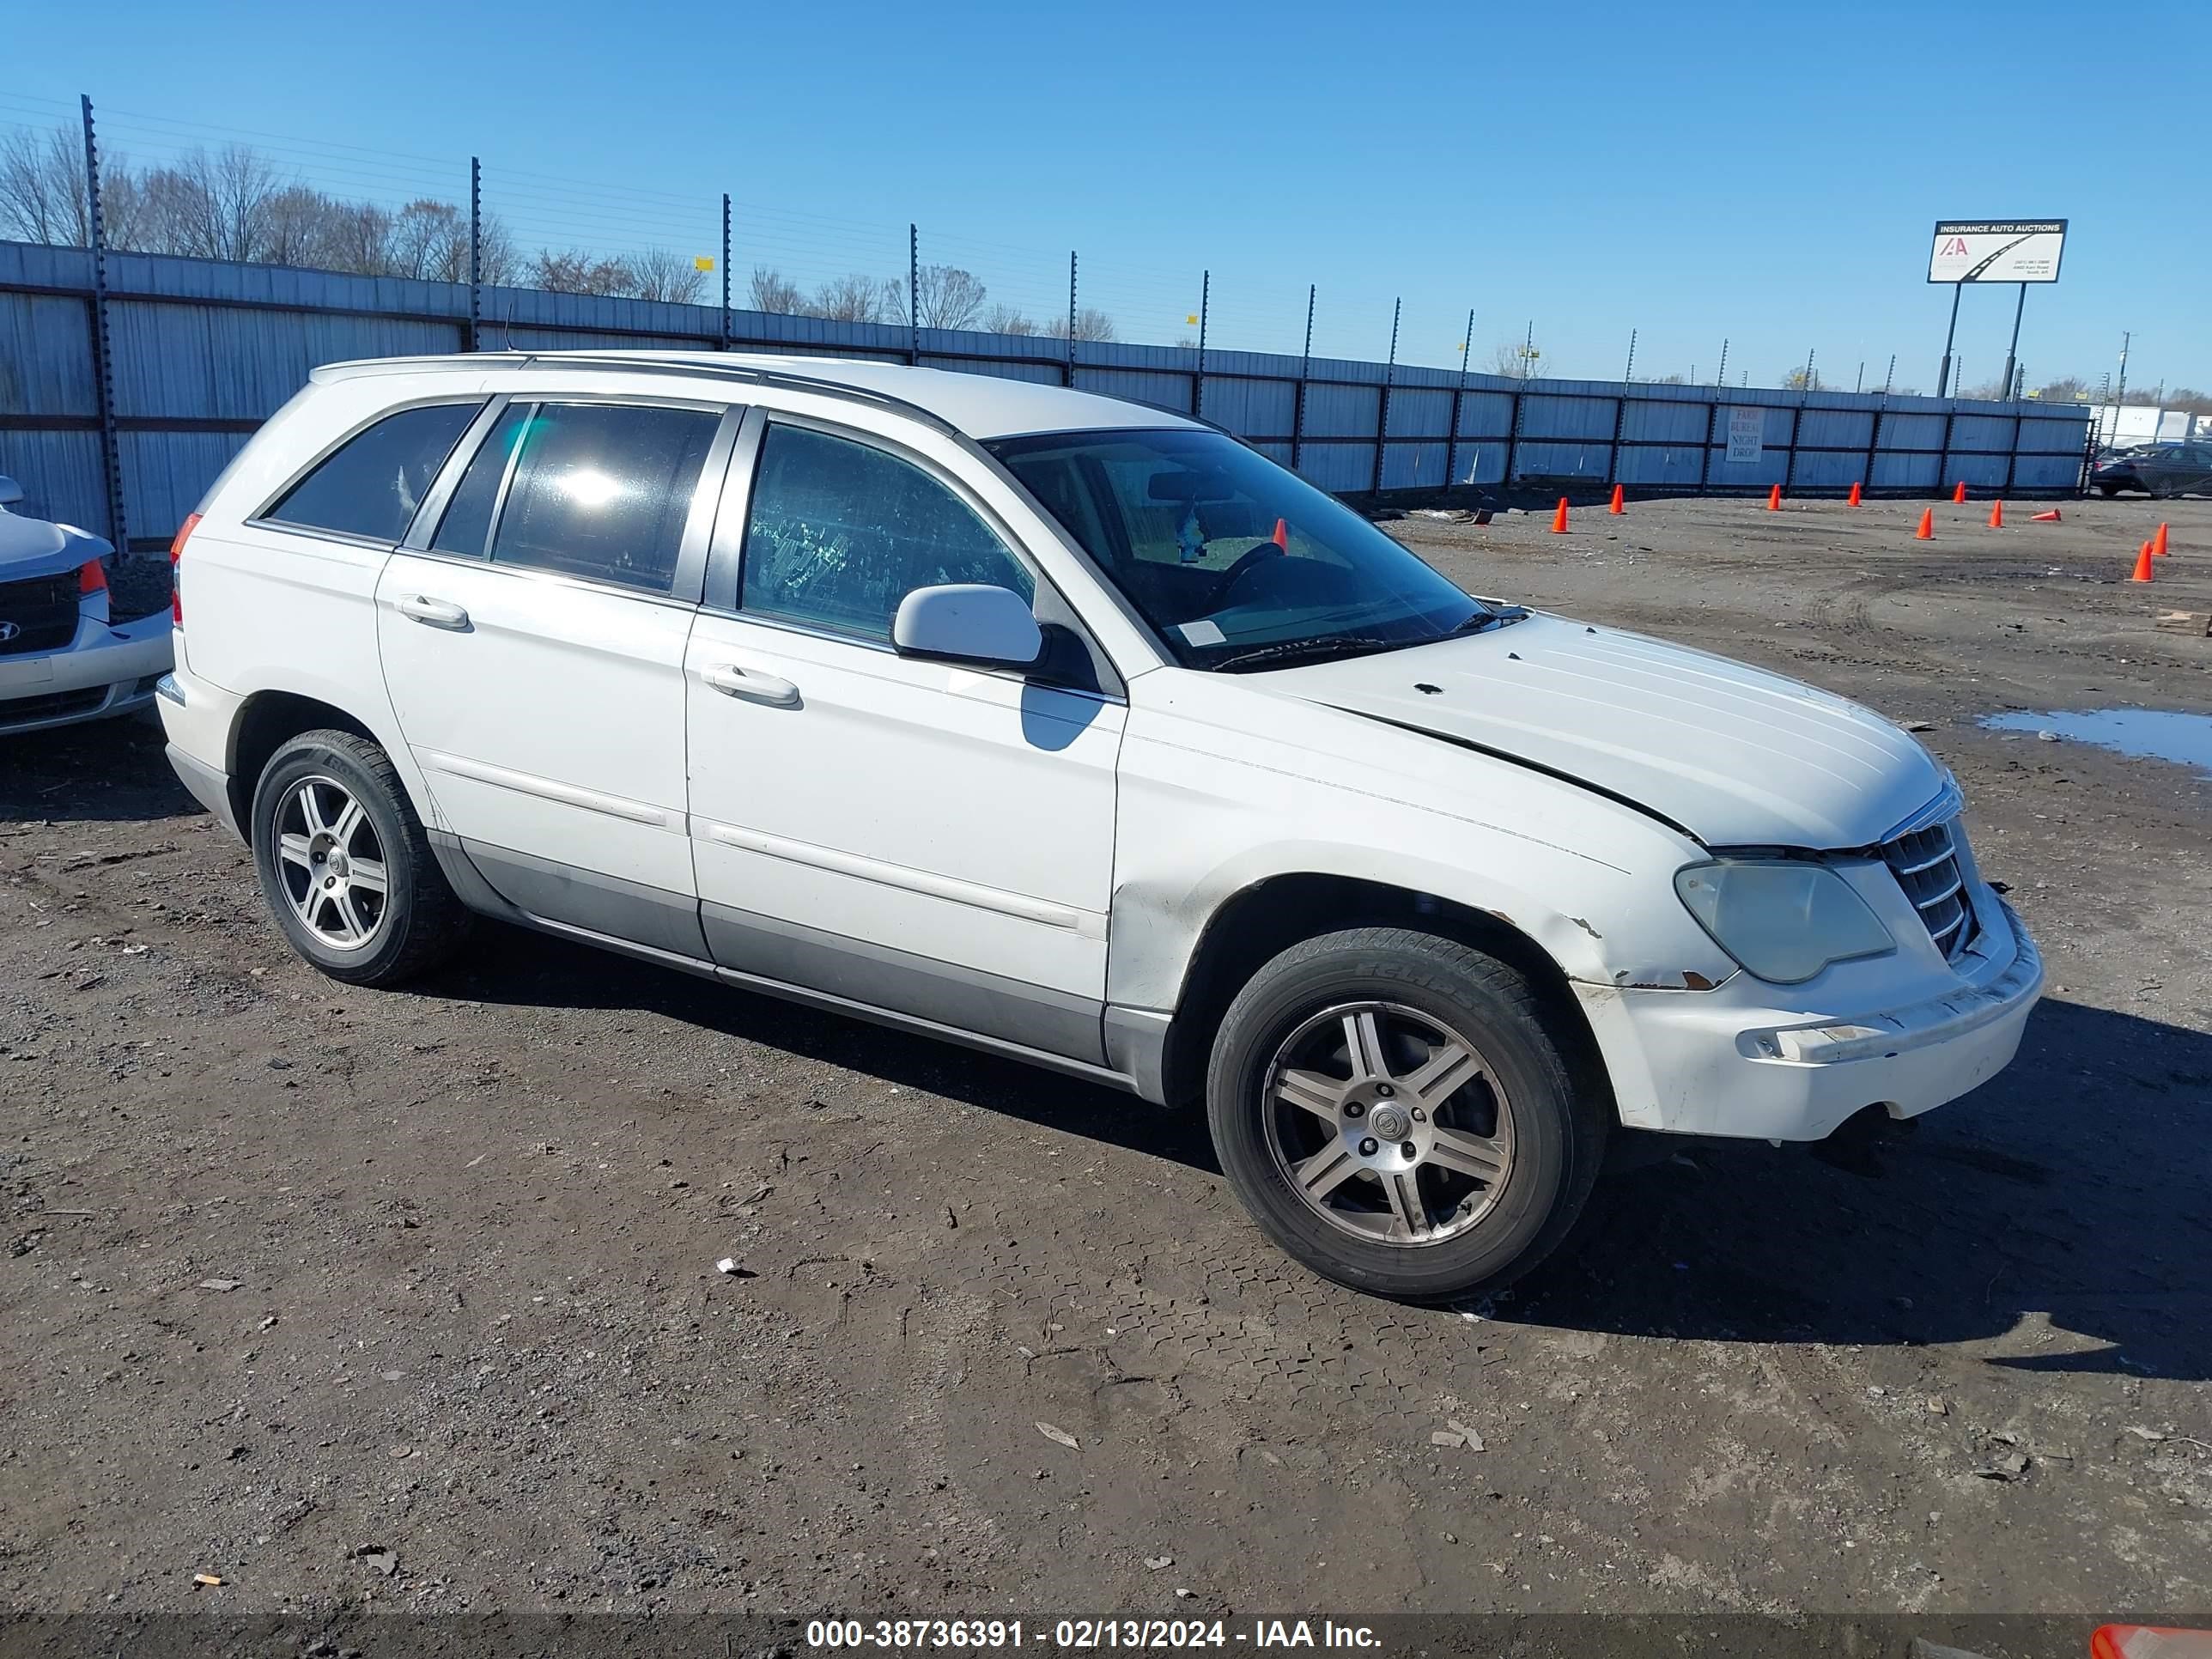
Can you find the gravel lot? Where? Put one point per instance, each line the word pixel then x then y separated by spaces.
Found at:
pixel 299 1275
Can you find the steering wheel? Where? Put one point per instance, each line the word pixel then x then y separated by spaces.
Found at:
pixel 1244 562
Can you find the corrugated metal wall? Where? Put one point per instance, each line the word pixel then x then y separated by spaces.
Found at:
pixel 204 351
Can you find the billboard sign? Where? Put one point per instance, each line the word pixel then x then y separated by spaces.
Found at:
pixel 1996 251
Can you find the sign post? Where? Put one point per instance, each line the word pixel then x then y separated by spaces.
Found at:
pixel 2021 250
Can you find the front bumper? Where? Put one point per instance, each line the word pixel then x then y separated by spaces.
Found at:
pixel 1742 1060
pixel 104 671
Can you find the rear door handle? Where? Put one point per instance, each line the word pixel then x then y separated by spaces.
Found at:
pixel 733 681
pixel 434 613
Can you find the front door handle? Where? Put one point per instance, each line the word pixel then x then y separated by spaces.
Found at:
pixel 434 613
pixel 753 686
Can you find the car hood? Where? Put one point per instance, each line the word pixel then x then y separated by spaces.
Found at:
pixel 31 547
pixel 1733 755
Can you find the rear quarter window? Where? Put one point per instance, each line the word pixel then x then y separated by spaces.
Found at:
pixel 371 484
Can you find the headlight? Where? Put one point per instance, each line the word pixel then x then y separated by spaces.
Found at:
pixel 1784 919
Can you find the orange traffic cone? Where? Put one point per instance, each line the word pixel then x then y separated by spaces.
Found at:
pixel 1959 492
pixel 1282 536
pixel 2050 517
pixel 1560 518
pixel 1997 515
pixel 1620 501
pixel 1774 499
pixel 2158 543
pixel 1852 500
pixel 2142 564
pixel 1927 531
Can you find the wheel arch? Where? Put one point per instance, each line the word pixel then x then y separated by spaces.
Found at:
pixel 266 721
pixel 1265 918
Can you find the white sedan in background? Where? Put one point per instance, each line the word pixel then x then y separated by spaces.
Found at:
pixel 61 659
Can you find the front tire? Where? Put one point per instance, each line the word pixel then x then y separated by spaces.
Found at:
pixel 345 866
pixel 1395 1114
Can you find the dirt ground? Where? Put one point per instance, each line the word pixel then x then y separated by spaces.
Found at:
pixel 299 1275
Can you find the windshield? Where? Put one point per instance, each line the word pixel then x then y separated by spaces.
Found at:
pixel 1235 561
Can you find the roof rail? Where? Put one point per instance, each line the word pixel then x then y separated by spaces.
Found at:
pixel 650 363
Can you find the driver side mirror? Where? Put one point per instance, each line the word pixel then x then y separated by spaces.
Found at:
pixel 10 491
pixel 968 623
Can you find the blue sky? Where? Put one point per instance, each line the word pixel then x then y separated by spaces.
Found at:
pixel 1767 175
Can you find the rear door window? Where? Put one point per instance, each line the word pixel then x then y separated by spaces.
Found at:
pixel 371 484
pixel 839 533
pixel 466 527
pixel 602 491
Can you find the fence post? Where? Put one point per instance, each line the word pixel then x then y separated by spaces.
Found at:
pixel 1712 432
pixel 1620 414
pixel 1720 379
pixel 729 333
pixel 111 451
pixel 1797 426
pixel 914 296
pixel 475 251
pixel 1459 398
pixel 1071 316
pixel 1950 421
pixel 1874 445
pixel 1198 380
pixel 2012 456
pixel 1513 432
pixel 1382 414
pixel 1305 369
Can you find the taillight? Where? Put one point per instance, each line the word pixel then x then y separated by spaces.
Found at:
pixel 91 578
pixel 176 570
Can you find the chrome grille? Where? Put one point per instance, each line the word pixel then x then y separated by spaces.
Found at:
pixel 1927 865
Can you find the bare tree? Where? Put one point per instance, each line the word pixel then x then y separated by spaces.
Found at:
pixel 662 274
pixel 946 296
pixel 1091 323
pixel 856 299
pixel 42 188
pixel 214 205
pixel 1517 359
pixel 771 291
pixel 577 273
pixel 1006 319
pixel 2066 389
pixel 1801 379
pixel 298 225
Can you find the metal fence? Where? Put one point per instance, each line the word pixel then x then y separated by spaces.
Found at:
pixel 128 380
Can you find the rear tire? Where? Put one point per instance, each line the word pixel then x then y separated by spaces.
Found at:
pixel 345 866
pixel 1394 1113
pixel 2108 490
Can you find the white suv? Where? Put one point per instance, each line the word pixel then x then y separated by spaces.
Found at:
pixel 1071 729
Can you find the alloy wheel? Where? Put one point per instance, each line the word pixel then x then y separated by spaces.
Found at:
pixel 330 864
pixel 1390 1125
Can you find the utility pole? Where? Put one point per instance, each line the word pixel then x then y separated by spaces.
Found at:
pixel 2120 392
